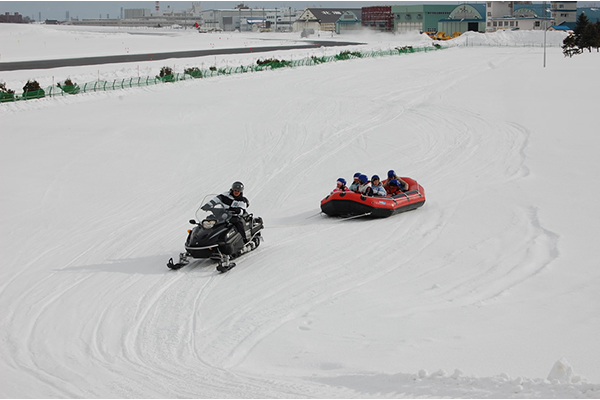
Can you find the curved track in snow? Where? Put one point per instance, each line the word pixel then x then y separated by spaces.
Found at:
pixel 90 310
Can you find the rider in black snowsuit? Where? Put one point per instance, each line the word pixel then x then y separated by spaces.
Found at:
pixel 235 203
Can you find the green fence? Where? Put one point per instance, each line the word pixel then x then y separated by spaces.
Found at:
pixel 196 73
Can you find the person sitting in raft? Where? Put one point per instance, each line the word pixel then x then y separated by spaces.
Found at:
pixel 394 188
pixel 377 187
pixel 363 187
pixel 355 183
pixel 392 175
pixel 341 186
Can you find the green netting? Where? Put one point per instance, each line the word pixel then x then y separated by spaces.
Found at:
pixel 196 73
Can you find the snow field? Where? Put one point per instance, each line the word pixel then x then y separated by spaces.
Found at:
pixel 494 276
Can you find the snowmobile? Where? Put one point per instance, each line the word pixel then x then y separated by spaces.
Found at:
pixel 215 237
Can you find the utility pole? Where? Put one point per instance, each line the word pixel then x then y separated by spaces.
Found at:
pixel 545 30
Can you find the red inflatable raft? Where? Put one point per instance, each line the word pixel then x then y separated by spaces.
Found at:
pixel 355 204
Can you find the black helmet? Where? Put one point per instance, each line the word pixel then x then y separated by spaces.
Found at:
pixel 237 186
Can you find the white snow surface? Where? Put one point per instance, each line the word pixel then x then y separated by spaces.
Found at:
pixel 490 290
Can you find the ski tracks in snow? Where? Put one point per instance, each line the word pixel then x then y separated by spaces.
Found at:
pixel 150 332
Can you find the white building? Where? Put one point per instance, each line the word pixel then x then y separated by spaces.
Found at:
pixel 137 13
pixel 564 11
pixel 246 19
pixel 509 15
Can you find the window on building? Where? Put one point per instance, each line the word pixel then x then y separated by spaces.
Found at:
pixel 537 23
pixel 489 4
pixel 419 16
pixel 512 23
pixel 489 24
pixel 505 23
pixel 495 23
pixel 489 14
pixel 516 23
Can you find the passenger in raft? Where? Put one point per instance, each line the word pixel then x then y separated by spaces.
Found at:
pixel 363 187
pixel 392 175
pixel 377 187
pixel 394 188
pixel 355 183
pixel 341 186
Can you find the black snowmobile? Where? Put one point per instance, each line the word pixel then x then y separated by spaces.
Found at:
pixel 215 237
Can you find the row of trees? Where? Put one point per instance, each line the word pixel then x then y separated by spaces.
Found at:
pixel 586 35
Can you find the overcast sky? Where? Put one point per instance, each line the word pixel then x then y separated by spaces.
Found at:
pixel 112 9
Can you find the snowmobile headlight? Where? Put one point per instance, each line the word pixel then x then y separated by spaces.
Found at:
pixel 208 224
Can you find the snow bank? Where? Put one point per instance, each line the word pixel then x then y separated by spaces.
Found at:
pixel 458 385
pixel 509 38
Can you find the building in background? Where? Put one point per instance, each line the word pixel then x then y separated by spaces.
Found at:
pixel 321 19
pixel 16 18
pixel 131 13
pixel 563 11
pixel 464 18
pixel 351 20
pixel 509 15
pixel 423 18
pixel 380 18
pixel 248 19
pixel 139 17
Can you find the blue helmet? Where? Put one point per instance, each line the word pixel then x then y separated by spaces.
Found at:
pixel 356 175
pixel 375 177
pixel 363 179
pixel 391 173
pixel 342 181
pixel 394 182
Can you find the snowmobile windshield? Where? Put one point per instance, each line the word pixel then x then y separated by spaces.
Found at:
pixel 217 213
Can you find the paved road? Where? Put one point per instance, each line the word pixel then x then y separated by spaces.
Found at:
pixel 127 58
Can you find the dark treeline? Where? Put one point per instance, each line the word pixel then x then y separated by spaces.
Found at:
pixel 586 35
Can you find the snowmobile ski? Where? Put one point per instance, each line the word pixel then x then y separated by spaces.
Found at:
pixel 183 261
pixel 222 268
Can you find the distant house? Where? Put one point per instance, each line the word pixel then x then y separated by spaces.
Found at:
pixel 350 20
pixel 320 19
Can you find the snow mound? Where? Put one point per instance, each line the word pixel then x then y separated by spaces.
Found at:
pixel 561 383
pixel 563 372
pixel 509 38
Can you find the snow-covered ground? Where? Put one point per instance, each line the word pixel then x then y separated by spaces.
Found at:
pixel 489 291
